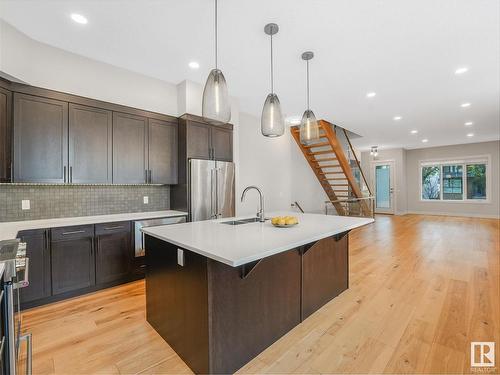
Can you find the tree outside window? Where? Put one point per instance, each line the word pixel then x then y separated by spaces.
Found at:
pixel 476 181
pixel 459 182
pixel 431 182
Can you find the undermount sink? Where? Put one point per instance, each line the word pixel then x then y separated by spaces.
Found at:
pixel 241 221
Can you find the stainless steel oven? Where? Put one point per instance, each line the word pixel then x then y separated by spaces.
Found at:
pixel 139 235
pixel 15 277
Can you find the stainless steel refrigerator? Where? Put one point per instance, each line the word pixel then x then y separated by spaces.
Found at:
pixel 211 189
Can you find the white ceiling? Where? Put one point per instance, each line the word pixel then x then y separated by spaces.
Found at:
pixel 404 50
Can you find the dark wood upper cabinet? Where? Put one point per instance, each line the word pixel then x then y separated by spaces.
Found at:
pixel 5 134
pixel 222 144
pixel 198 140
pixel 162 152
pixel 130 154
pixel 40 139
pixel 90 145
pixel 206 141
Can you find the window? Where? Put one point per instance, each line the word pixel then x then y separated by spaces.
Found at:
pixel 431 182
pixel 454 181
pixel 476 181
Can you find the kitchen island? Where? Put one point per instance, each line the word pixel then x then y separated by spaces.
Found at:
pixel 219 294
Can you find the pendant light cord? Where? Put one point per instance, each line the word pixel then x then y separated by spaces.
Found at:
pixel 307 74
pixel 216 35
pixel 272 71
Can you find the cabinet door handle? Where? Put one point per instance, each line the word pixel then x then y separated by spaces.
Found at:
pixel 150 176
pixel 70 174
pixel 64 171
pixel 146 176
pixel 73 232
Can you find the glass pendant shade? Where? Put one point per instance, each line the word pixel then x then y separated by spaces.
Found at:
pixel 216 105
pixel 272 122
pixel 309 128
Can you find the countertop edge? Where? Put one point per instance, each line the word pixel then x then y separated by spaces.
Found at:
pixel 261 255
pixel 17 226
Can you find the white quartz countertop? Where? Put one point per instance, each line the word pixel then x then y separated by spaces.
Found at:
pixel 236 245
pixel 9 230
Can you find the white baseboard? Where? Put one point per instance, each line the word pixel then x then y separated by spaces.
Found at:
pixel 459 214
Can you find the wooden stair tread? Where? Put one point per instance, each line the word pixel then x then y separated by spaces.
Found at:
pixel 328 166
pixel 320 152
pixel 321 144
pixel 324 159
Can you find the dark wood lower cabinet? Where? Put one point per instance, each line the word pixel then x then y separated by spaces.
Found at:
pixel 72 258
pixel 37 250
pixel 70 261
pixel 218 317
pixel 113 252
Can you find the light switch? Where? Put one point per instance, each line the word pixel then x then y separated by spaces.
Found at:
pixel 180 257
pixel 25 204
pixel 145 199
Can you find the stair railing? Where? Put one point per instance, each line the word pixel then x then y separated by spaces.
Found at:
pixel 296 204
pixel 357 162
pixel 352 211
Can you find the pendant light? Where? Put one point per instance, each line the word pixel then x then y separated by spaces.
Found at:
pixel 309 129
pixel 215 104
pixel 271 122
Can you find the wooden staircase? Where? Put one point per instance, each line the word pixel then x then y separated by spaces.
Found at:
pixel 332 168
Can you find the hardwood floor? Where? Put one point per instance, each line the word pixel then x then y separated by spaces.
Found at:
pixel 421 289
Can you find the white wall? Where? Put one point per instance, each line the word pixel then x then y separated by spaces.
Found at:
pixel 264 162
pixel 397 155
pixel 41 65
pixel 413 158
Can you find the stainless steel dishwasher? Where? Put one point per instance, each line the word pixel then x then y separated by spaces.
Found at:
pixel 139 236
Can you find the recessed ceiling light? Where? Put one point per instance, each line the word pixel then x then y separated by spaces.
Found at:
pixel 461 70
pixel 470 135
pixel 78 18
pixel 465 105
pixel 425 140
pixel 469 123
pixel 414 132
pixel 194 65
pixel 397 118
pixel 371 94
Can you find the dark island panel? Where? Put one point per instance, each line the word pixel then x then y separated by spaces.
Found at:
pixel 177 301
pixel 249 314
pixel 217 317
pixel 324 272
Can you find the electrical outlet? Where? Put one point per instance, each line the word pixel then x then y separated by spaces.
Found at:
pixel 145 200
pixel 25 204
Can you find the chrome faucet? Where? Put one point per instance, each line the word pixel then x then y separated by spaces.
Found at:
pixel 260 214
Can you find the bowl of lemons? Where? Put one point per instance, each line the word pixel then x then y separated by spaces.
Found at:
pixel 284 221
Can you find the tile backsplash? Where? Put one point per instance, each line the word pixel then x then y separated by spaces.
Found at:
pixel 53 201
